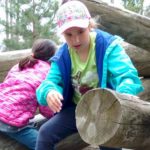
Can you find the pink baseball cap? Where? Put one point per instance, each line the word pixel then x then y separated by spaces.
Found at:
pixel 72 14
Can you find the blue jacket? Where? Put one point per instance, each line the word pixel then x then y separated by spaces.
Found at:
pixel 114 67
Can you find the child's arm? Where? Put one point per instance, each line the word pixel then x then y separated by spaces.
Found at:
pixel 53 81
pixel 122 73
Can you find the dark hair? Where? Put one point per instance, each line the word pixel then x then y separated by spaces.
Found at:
pixel 42 49
pixel 64 1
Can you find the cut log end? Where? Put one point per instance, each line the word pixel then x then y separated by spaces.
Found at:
pixel 106 117
pixel 98 109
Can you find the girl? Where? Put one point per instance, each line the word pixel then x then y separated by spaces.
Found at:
pixel 90 58
pixel 18 103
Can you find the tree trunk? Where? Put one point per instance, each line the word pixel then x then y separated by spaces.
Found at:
pixel 8 59
pixel 145 95
pixel 7 20
pixel 73 142
pixel 141 62
pixel 105 117
pixel 133 27
pixel 139 57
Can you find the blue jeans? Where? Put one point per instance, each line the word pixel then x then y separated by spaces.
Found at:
pixel 26 136
pixel 57 128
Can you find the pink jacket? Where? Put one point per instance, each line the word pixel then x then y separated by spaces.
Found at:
pixel 18 102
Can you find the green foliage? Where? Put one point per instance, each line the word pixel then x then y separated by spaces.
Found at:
pixel 147 11
pixel 134 5
pixel 27 21
pixel 14 45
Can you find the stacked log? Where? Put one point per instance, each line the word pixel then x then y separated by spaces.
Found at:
pixel 141 62
pixel 10 58
pixel 72 142
pixel 105 117
pixel 145 95
pixel 140 58
pixel 132 27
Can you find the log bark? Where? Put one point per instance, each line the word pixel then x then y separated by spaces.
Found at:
pixel 133 27
pixel 145 95
pixel 73 142
pixel 139 57
pixel 105 117
pixel 141 62
pixel 7 143
pixel 10 58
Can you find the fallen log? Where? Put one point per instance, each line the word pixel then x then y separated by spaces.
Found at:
pixel 140 58
pixel 105 117
pixel 73 142
pixel 10 58
pixel 145 95
pixel 133 27
pixel 7 143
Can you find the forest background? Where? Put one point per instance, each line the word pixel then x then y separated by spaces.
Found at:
pixel 24 21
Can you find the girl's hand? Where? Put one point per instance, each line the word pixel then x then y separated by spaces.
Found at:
pixel 54 99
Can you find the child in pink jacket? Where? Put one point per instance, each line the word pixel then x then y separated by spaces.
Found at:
pixel 18 103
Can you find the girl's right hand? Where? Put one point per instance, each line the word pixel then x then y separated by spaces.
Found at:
pixel 54 99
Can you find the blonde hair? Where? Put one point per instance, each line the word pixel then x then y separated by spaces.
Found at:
pixel 93 23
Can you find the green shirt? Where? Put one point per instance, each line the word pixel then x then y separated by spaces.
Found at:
pixel 84 74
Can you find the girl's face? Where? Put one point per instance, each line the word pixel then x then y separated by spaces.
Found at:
pixel 77 38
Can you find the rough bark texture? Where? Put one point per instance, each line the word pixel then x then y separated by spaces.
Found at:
pixel 108 118
pixel 8 59
pixel 132 27
pixel 8 144
pixel 145 95
pixel 141 62
pixel 73 142
pixel 139 57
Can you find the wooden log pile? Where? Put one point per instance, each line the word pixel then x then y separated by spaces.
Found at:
pixel 124 123
pixel 8 59
pixel 72 142
pixel 141 62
